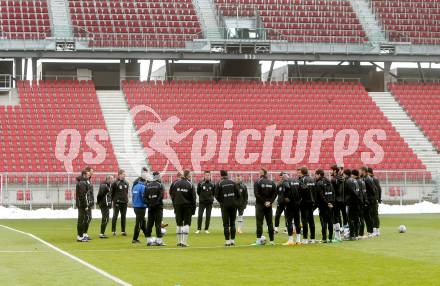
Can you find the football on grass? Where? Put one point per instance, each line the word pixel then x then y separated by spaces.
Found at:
pixel 402 229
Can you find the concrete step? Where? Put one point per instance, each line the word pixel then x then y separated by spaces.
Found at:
pixel 116 113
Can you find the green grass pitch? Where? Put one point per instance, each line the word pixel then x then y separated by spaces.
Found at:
pixel 392 259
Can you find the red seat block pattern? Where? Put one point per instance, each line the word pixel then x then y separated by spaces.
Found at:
pixel 415 21
pixel 29 131
pixel 301 20
pixel 422 103
pixel 255 105
pixel 24 19
pixel 135 23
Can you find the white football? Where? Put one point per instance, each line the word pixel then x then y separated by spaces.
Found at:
pixel 263 240
pixel 402 229
pixel 164 231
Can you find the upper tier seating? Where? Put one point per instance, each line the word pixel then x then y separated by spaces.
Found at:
pixel 301 20
pixel 24 19
pixel 415 21
pixel 29 131
pixel 291 106
pixel 422 102
pixel 135 23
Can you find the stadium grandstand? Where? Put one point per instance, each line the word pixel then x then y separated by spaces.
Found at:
pixel 217 84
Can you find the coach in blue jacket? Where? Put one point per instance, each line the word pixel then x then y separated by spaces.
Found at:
pixel 139 206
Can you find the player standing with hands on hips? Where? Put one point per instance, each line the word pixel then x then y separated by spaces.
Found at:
pixel 265 192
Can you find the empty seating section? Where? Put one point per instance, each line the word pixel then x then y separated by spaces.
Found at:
pixel 422 103
pixel 24 19
pixel 135 23
pixel 301 20
pixel 29 131
pixel 291 106
pixel 415 21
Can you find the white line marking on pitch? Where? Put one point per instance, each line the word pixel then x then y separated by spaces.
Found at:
pixel 88 265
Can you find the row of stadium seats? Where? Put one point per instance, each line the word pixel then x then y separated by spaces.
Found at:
pixel 412 21
pixel 136 23
pixel 422 102
pixel 291 106
pixel 45 110
pixel 24 19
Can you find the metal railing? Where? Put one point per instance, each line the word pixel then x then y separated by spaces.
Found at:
pixel 57 190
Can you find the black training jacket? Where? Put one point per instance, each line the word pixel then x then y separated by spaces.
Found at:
pixel 283 190
pixel 227 193
pixel 104 198
pixel 119 191
pixel 265 190
pixel 352 193
pixel 183 193
pixel 378 189
pixel 307 190
pixel 325 193
pixel 371 189
pixel 338 183
pixel 243 200
pixel 81 192
pixel 205 191
pixel 153 194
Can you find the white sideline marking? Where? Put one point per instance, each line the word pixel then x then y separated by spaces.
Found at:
pixel 88 265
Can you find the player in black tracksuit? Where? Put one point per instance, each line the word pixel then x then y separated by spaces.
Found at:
pixel 291 199
pixel 205 191
pixel 307 191
pixel 326 200
pixel 119 194
pixel 90 200
pixel 363 201
pixel 104 201
pixel 83 204
pixel 265 192
pixel 371 216
pixel 281 203
pixel 184 197
pixel 228 195
pixel 153 196
pixel 379 200
pixel 339 208
pixel 353 201
pixel 242 204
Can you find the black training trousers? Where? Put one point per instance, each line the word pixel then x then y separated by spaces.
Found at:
pixel 280 209
pixel 183 214
pixel 368 216
pixel 363 210
pixel 155 219
pixel 307 220
pixel 326 218
pixel 202 208
pixel 264 213
pixel 353 220
pixel 229 214
pixel 105 212
pixel 374 213
pixel 88 219
pixel 82 221
pixel 339 208
pixel 140 223
pixel 292 213
pixel 119 207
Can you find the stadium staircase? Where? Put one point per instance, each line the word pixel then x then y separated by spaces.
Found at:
pixel 407 128
pixel 59 14
pixel 131 157
pixel 207 13
pixel 368 21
